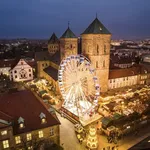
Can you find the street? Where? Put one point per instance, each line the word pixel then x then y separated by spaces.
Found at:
pixel 68 139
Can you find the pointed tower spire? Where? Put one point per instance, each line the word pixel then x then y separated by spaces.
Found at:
pixel 68 24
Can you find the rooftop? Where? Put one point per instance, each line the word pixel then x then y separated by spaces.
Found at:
pixel 96 27
pixel 52 72
pixel 53 39
pixel 24 104
pixel 68 34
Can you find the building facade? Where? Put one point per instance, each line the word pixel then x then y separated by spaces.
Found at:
pixel 96 46
pixel 68 44
pixel 53 44
pixel 21 126
pixel 21 72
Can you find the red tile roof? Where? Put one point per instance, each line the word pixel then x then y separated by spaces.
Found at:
pixel 119 73
pixel 24 104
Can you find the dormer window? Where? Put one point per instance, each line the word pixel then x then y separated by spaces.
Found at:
pixel 43 120
pixel 21 122
pixel 4 132
pixel 42 117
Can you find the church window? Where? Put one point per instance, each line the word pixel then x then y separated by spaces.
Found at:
pixel 97 49
pixel 104 49
pixel 96 64
pixel 104 63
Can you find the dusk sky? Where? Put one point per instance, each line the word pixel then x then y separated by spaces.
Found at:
pixel 127 19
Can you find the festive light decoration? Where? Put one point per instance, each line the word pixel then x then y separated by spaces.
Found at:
pixel 78 86
pixel 92 141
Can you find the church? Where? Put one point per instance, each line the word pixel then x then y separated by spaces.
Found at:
pixel 94 44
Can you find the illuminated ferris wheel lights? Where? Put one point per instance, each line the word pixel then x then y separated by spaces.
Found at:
pixel 77 85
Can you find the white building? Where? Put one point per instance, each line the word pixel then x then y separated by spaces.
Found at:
pixel 21 72
pixel 124 77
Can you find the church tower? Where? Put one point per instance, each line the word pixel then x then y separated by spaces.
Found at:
pixel 96 46
pixel 53 44
pixel 68 44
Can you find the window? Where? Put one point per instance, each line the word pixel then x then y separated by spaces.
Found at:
pixel 104 63
pixel 40 134
pixel 96 64
pixel 29 75
pixel 5 144
pixel 29 137
pixel 4 132
pixel 17 139
pixel 43 120
pixel 70 45
pixel 21 125
pixel 29 70
pixel 15 76
pixel 15 71
pixel 51 131
pixel 97 49
pixel 43 65
pixel 104 49
pixel 30 147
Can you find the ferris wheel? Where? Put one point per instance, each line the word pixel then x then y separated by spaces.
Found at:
pixel 78 85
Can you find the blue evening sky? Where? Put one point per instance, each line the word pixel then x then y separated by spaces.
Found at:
pixel 128 19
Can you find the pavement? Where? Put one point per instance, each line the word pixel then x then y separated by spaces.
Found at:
pixel 69 141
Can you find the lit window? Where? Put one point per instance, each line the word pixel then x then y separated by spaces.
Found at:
pixel 51 131
pixel 5 144
pixel 17 139
pixel 30 147
pixel 43 117
pixel 21 125
pixel 40 134
pixel 29 137
pixel 43 120
pixel 4 132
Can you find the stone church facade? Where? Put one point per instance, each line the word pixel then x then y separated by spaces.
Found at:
pixel 95 41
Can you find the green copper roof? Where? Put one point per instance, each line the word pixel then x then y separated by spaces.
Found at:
pixel 53 39
pixel 96 27
pixel 68 34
